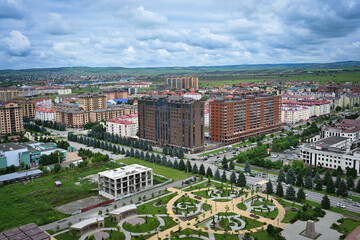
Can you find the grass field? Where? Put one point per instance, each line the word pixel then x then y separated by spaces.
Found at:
pixel 149 208
pixel 175 174
pixel 66 236
pixel 34 202
pixel 347 226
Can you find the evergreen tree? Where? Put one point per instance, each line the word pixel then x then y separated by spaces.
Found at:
pixel 152 158
pixel 241 181
pixel 350 182
pixel 181 165
pixel 209 172
pixel 358 187
pixel 122 150
pixel 175 152
pixel 223 176
pixel 127 153
pixel 290 193
pixel 342 189
pixel 319 185
pixel 299 180
pixel 233 177
pixel 279 190
pixel 114 149
pixel 165 150
pixel 290 177
pixel 164 161
pixel 330 188
pixel 169 163
pixel 308 182
pixel 170 151
pixel 325 202
pixel 308 172
pixel 132 152
pixel 327 177
pixel 269 187
pixel 142 155
pixel 181 153
pixel 137 154
pixel 281 176
pixel 217 174
pixel 147 157
pixel 232 165
pixel 150 148
pixel 317 177
pixel 247 168
pixel 176 164
pixel 224 163
pixel 195 169
pixel 338 180
pixel 158 160
pixel 188 166
pixel 301 195
pixel 202 170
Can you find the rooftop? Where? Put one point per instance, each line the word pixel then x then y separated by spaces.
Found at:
pixel 124 171
pixel 6 147
pixel 169 99
pixel 120 121
pixel 27 232
pixel 16 175
pixel 124 209
pixel 87 222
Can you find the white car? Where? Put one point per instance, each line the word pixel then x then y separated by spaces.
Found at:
pixel 340 205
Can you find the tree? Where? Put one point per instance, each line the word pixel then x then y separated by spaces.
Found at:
pixel 164 161
pixel 325 202
pixel 338 180
pixel 209 172
pixel 188 166
pixel 339 171
pixel 57 167
pixel 300 195
pixel 269 187
pixel 290 193
pixel 195 169
pixel 290 177
pixel 279 190
pixel 241 181
pixel 299 180
pixel 342 189
pixel 308 182
pixel 350 182
pixel 181 165
pixel 327 177
pixel 202 170
pixel 308 171
pixel 319 185
pixel 232 165
pixel 247 168
pixel 223 176
pixel 169 163
pixel 181 153
pixel 224 163
pixel 147 157
pixel 270 229
pixel 330 186
pixel 317 177
pixel 281 176
pixel 137 154
pixel 176 164
pixel 233 177
pixel 165 150
pixel 217 174
pixel 358 187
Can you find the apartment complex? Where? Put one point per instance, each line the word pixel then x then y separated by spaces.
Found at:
pixel 294 114
pixel 174 121
pixel 244 116
pixel 331 153
pixel 349 128
pixel 27 105
pixel 113 111
pixel 125 180
pixel 182 82
pixel 316 107
pixel 116 94
pixel 8 95
pixel 11 118
pixel 45 113
pixel 72 117
pixel 121 127
pixel 92 101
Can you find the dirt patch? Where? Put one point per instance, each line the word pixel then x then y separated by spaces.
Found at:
pixel 135 221
pixel 80 204
pixel 72 156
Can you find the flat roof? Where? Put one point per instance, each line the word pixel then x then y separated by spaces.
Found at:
pixel 87 222
pixel 27 232
pixel 6 147
pixel 330 140
pixel 124 171
pixel 11 176
pixel 124 209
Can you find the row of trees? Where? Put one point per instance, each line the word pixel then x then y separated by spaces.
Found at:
pixel 96 157
pixel 54 157
pixel 281 144
pixel 173 151
pixel 36 128
pixel 51 124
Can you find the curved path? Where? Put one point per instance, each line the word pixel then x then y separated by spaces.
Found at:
pixel 95 231
pixel 219 207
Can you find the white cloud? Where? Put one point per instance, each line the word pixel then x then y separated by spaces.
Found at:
pixel 141 17
pixel 17 44
pixel 56 25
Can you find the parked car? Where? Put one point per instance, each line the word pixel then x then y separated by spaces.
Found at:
pixel 340 205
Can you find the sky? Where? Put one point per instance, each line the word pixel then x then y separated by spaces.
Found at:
pixel 158 33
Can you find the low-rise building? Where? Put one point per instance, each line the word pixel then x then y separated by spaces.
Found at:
pixel 125 180
pixel 331 153
pixel 294 114
pixel 349 128
pixel 121 127
pixel 196 96
pixel 45 113
pixel 123 212
pixel 316 107
pixel 87 225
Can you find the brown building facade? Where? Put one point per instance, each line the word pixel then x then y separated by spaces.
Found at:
pixel 8 95
pixel 116 94
pixel 92 101
pixel 182 82
pixel 173 121
pixel 27 105
pixel 11 118
pixel 111 112
pixel 243 117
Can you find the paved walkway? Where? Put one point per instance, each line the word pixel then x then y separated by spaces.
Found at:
pixel 354 235
pixel 95 231
pixel 218 207
pixel 292 231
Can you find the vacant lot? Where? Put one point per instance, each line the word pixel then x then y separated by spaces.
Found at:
pixel 35 202
pixel 159 169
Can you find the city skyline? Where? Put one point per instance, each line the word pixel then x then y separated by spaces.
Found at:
pixel 36 34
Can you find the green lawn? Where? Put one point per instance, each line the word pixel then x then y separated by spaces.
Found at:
pixel 110 224
pixel 149 208
pixel 175 174
pixel 251 223
pixel 262 235
pixel 35 201
pixel 168 223
pixel 192 231
pixel 347 226
pixel 66 236
pixel 205 185
pixel 241 206
pixel 202 194
pixel 271 215
pixel 226 237
pixel 149 225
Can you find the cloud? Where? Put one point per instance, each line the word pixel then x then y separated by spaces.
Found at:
pixel 56 25
pixel 17 44
pixel 141 17
pixel 11 9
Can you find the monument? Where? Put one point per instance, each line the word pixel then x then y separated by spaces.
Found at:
pixel 310 230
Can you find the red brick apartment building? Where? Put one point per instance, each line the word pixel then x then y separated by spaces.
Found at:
pixel 244 116
pixel 173 121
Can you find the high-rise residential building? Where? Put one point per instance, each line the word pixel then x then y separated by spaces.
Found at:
pixel 173 121
pixel 72 117
pixel 27 105
pixel 92 101
pixel 11 118
pixel 8 95
pixel 244 116
pixel 182 82
pixel 116 94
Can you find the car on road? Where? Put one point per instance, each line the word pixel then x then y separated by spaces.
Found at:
pixel 340 205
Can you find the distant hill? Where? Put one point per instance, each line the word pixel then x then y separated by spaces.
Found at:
pixel 183 70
